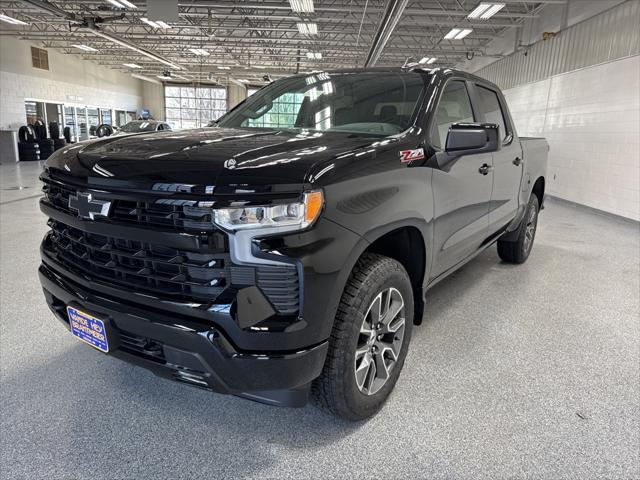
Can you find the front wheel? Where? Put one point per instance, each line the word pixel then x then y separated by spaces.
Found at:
pixel 518 250
pixel 369 341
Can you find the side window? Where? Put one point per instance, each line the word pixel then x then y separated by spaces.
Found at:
pixel 454 107
pixel 490 106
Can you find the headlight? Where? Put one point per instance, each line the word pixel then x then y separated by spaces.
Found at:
pixel 285 217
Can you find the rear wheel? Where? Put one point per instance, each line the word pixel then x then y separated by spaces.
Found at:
pixel 369 341
pixel 518 250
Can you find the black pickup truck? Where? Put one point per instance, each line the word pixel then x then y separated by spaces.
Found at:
pixel 288 250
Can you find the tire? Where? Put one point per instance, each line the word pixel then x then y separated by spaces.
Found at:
pixel 67 134
pixel 54 130
pixel 40 129
pixel 26 134
pixel 58 143
pixel 518 250
pixel 341 388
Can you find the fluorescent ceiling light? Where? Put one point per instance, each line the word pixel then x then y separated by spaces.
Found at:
pixel 314 55
pixel 452 33
pixel 244 80
pixel 306 28
pixel 463 33
pixel 11 20
pixel 199 51
pixel 495 8
pixel 221 67
pixel 132 65
pixel 155 23
pixel 146 79
pixel 486 10
pixel 427 60
pixel 302 6
pixel 86 48
pixel 135 48
pixel 150 22
pixel 122 3
pixel 457 33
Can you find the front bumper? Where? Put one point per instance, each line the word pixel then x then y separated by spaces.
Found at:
pixel 187 350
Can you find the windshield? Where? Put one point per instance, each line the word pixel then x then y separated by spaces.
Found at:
pixel 133 127
pixel 378 103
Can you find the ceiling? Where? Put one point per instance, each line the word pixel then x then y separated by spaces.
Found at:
pixel 247 40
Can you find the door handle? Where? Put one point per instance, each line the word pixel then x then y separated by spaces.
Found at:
pixel 485 169
pixel 517 161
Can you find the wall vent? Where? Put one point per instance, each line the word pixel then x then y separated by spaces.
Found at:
pixel 39 58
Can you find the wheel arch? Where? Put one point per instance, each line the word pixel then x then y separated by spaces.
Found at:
pixel 406 245
pixel 538 190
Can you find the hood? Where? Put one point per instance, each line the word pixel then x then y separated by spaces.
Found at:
pixel 208 156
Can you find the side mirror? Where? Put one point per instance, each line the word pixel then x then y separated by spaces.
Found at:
pixel 469 138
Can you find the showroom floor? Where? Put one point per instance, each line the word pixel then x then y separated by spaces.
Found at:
pixel 517 371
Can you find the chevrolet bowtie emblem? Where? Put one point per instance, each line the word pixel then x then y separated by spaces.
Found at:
pixel 87 207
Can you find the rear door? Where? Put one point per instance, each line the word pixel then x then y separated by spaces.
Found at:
pixel 461 192
pixel 507 162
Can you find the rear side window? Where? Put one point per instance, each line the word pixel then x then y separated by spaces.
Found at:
pixel 490 106
pixel 454 107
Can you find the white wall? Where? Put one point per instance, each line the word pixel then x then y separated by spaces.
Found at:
pixel 591 118
pixel 70 80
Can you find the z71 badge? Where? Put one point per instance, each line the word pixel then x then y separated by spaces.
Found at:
pixel 411 155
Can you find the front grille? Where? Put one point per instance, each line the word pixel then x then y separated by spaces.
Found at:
pixel 176 214
pixel 167 213
pixel 140 265
pixel 199 276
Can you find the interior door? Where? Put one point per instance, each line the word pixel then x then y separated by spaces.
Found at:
pixel 462 191
pixel 507 162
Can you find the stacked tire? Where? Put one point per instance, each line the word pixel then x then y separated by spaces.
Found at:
pixel 28 148
pixel 54 131
pixel 45 144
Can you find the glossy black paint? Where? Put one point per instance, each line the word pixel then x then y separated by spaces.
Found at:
pixel 445 200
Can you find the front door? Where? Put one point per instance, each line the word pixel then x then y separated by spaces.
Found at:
pixel 461 188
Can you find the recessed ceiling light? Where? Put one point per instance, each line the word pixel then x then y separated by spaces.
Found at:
pixel 199 51
pixel 307 28
pixel 243 80
pixel 302 6
pixel 486 10
pixel 314 55
pixel 86 48
pixel 11 20
pixel 457 33
pixel 221 67
pixel 132 65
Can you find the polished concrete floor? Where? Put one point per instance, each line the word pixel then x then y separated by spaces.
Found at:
pixel 525 371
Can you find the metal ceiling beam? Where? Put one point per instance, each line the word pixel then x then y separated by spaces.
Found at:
pixel 388 23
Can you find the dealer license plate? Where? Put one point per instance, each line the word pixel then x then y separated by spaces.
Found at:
pixel 88 328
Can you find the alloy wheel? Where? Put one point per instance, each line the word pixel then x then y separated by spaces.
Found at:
pixel 379 341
